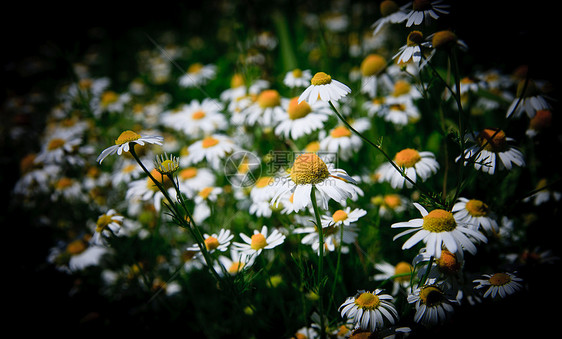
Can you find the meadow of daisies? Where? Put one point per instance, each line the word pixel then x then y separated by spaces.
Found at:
pixel 335 171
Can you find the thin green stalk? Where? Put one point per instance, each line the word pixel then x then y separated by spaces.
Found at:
pixel 421 189
pixel 320 261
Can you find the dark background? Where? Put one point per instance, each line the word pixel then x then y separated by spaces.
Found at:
pixel 505 33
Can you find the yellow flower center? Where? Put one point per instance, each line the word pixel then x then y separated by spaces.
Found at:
pixel 500 279
pixel 388 7
pixel 308 168
pixel 367 300
pixel 296 110
pixel 340 132
pixel 415 38
pixel 402 268
pixel 235 267
pixel 76 247
pixel 439 220
pixel 63 183
pixel 55 143
pixel 188 173
pixel 211 243
pixel 431 295
pixel 392 200
pixel 443 39
pixel 269 98
pixel 198 115
pixel 195 68
pixel 209 142
pixel 541 120
pixel 313 147
pixel 373 64
pixel 407 157
pixel 448 262
pixel 103 221
pixel 168 166
pixel 258 242
pixel 127 136
pixel 264 182
pixel 493 140
pixel 162 180
pixel 85 83
pixel 237 80
pixel 109 97
pixel 320 78
pixel 27 163
pixel 477 208
pixel 401 87
pixel 297 73
pixel 339 215
pixel 205 192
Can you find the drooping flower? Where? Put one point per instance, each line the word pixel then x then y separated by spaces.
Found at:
pixel 124 142
pixel 323 87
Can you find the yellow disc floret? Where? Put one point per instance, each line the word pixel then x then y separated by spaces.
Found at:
pixel 407 157
pixel 401 269
pixel 500 279
pixel 492 139
pixel 367 300
pixel 373 64
pixel 127 136
pixel 320 78
pixel 339 215
pixel 258 241
pixel 476 208
pixel 308 168
pixel 269 98
pixel 439 220
pixel 296 110
pixel 211 243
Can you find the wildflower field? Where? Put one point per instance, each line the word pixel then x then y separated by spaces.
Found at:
pixel 339 169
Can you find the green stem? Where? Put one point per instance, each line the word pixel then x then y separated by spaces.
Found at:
pixel 320 261
pixel 422 190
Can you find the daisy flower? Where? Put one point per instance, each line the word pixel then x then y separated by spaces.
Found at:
pixel 110 101
pixel 267 108
pixel 323 87
pixel 213 149
pixel 196 119
pixel 411 51
pixel 331 235
pixel 433 304
pixel 343 217
pixel 476 213
pixel 124 141
pixel 107 224
pixel 492 152
pixel 310 171
pixel 192 180
pixel 68 189
pixel 502 284
pixel 421 10
pixel 59 148
pixel 215 242
pixel 297 78
pixel 442 40
pixel 529 99
pixel 544 194
pixel 399 273
pixel 203 200
pixel 373 75
pixel 541 122
pixel 390 204
pixel 390 14
pixel 235 263
pixel 146 190
pixel 197 74
pixel 416 165
pixel 299 119
pixel 369 310
pixel 438 229
pixel 259 241
pixel 341 141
